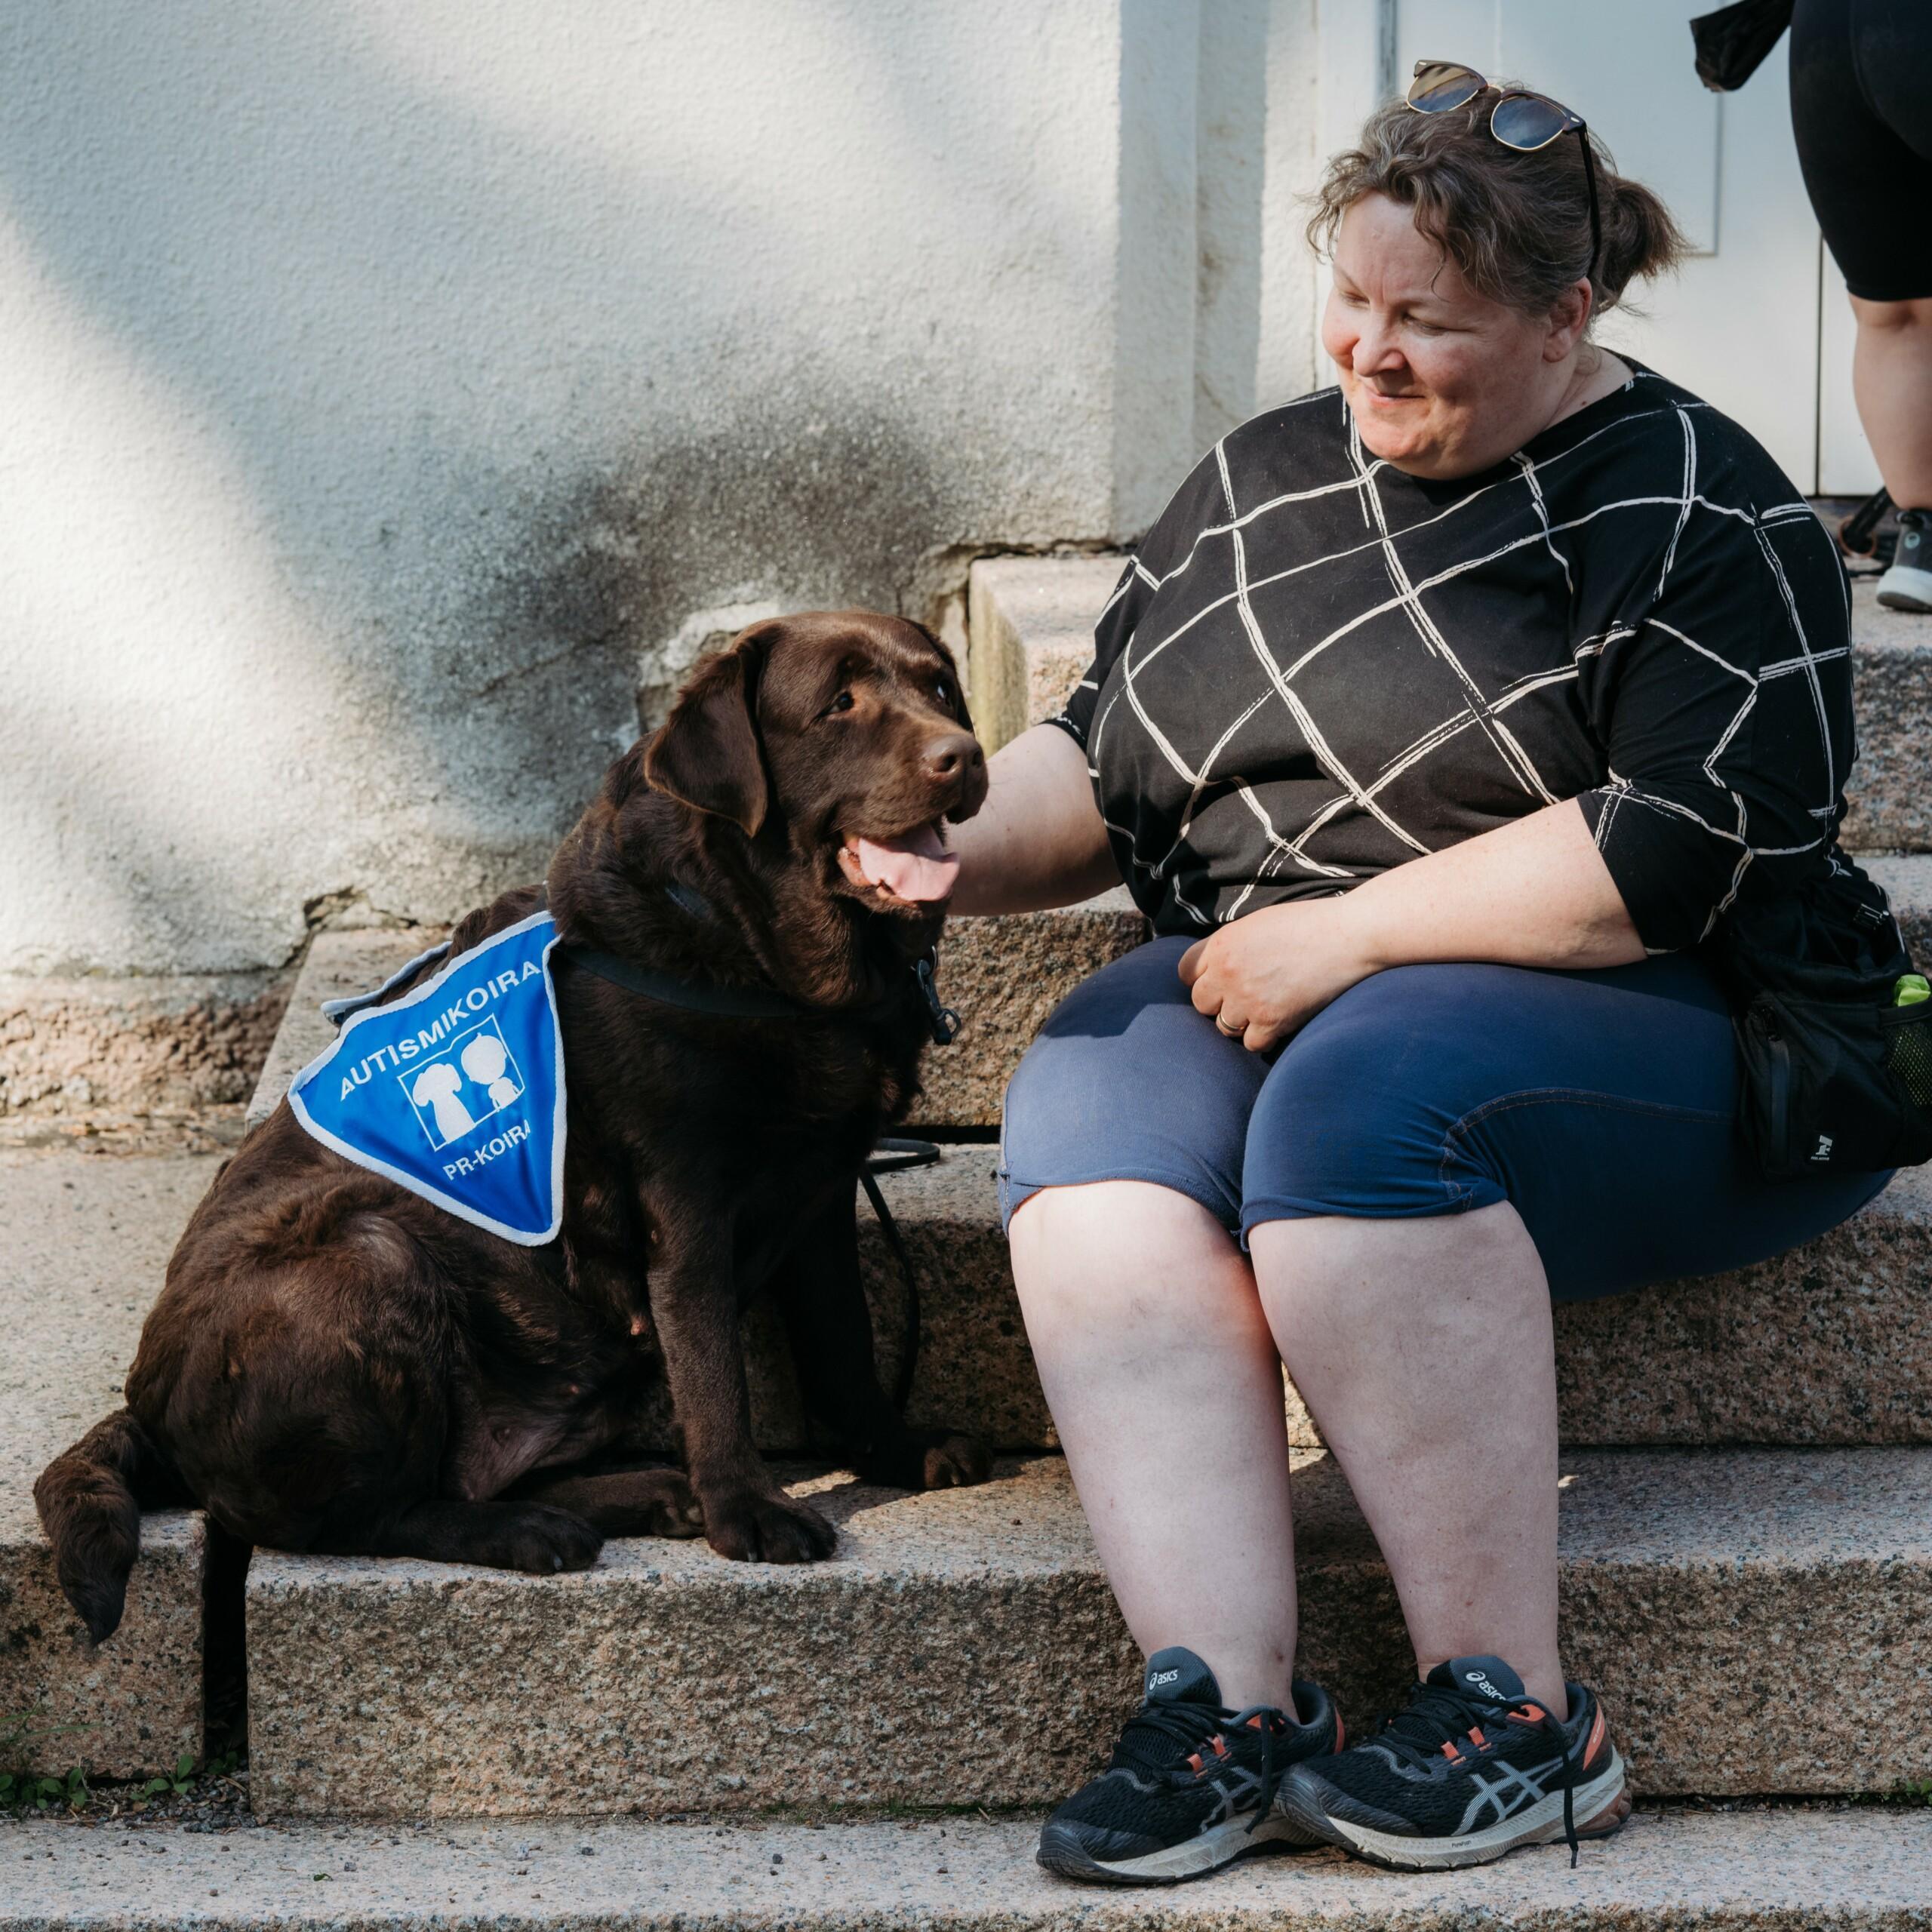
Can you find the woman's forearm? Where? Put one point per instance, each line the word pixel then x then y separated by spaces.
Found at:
pixel 1038 840
pixel 1535 892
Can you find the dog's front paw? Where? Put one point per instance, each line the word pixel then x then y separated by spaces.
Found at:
pixel 956 1462
pixel 925 1459
pixel 751 1527
pixel 542 1541
pixel 659 1503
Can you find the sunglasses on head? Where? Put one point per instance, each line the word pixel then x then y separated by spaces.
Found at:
pixel 1521 120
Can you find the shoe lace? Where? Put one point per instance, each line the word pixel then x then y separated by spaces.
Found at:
pixel 1158 1734
pixel 1437 1713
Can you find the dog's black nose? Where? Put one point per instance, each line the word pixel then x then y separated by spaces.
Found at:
pixel 952 757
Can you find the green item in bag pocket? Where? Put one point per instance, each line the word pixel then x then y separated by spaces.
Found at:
pixel 1833 1026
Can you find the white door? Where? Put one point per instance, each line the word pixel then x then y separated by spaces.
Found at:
pixel 1740 324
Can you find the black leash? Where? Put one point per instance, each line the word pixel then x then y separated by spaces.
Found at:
pixel 1858 534
pixel 891 1157
pixel 745 1002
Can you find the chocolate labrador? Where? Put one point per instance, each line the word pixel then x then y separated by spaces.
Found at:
pixel 336 1364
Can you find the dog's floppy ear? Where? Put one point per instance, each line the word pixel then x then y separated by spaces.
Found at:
pixel 707 752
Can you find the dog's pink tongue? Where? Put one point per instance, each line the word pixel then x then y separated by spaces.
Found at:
pixel 917 867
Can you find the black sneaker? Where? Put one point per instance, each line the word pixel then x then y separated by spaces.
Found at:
pixel 1191 1785
pixel 1471 1768
pixel 1907 584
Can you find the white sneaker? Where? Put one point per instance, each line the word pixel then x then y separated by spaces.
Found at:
pixel 1907 585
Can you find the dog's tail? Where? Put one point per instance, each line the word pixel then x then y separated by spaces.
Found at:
pixel 90 1504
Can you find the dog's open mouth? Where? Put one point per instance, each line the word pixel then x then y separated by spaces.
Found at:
pixel 915 867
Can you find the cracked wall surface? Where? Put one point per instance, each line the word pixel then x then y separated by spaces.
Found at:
pixel 399 395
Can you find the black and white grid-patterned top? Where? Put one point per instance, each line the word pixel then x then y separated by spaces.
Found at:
pixel 1318 666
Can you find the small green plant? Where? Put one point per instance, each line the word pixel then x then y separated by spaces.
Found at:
pixel 24 1791
pixel 179 1782
pixel 185 1777
pixel 1907 1791
pixel 20 1735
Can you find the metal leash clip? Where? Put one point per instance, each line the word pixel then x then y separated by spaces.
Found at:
pixel 944 1020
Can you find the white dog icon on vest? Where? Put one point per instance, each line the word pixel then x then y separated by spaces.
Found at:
pixel 437 1087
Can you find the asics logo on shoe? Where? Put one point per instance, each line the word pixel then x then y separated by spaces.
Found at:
pixel 1483 1685
pixel 1155 1679
pixel 1231 1795
pixel 1507 1793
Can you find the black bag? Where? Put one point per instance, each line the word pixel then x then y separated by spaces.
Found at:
pixel 1837 1076
pixel 1732 41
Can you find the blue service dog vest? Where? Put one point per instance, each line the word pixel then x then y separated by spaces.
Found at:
pixel 456 1091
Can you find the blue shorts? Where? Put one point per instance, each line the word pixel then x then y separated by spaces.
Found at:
pixel 1601 1104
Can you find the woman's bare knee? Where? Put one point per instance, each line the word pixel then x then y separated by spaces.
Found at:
pixel 1130 1248
pixel 1116 1216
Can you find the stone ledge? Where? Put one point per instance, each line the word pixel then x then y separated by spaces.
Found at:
pixel 1830 1344
pixel 88 1241
pixel 1030 621
pixel 338 965
pixel 1004 976
pixel 71 1045
pixel 1822 1345
pixel 1891 802
pixel 1791 1869
pixel 962 1649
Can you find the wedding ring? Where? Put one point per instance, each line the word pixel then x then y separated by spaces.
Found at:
pixel 1226 1032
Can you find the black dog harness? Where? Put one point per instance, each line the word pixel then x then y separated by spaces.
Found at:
pixel 743 1002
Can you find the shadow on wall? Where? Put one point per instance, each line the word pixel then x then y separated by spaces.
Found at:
pixel 484 352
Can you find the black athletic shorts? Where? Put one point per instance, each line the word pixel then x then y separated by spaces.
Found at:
pixel 1861 105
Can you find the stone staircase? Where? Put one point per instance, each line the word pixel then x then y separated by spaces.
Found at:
pixel 1746 1507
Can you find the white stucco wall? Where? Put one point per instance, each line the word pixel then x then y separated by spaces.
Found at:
pixel 391 385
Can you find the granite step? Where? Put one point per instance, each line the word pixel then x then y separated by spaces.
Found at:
pixel 1831 1344
pixel 87 1241
pixel 1030 622
pixel 1788 1869
pixel 961 1649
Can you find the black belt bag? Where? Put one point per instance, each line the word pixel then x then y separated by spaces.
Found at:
pixel 1837 1073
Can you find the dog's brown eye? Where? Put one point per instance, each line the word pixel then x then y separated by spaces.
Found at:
pixel 843 702
pixel 944 690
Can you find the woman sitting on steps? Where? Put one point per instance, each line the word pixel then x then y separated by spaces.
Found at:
pixel 1440 718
